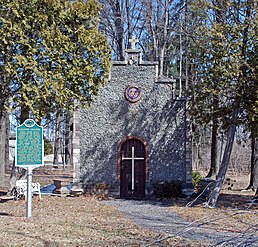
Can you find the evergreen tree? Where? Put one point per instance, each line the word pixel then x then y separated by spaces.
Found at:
pixel 51 54
pixel 225 38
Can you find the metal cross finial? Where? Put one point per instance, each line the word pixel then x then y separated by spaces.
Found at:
pixel 133 42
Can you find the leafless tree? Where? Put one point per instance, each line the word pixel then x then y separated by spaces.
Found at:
pixel 120 20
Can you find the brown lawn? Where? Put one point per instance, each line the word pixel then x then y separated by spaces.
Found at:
pixel 67 221
pixel 85 221
pixel 73 221
pixel 233 212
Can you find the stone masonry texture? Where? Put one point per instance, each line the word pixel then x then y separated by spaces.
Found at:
pixel 156 118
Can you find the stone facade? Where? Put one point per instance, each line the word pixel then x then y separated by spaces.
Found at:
pixel 158 120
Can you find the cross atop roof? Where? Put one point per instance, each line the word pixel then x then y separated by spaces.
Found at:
pixel 133 42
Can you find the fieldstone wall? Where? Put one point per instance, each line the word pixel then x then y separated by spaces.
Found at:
pixel 157 118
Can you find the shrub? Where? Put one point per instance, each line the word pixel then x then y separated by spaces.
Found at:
pixel 196 177
pixel 96 188
pixel 167 189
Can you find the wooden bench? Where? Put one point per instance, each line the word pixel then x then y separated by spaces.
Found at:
pixel 21 187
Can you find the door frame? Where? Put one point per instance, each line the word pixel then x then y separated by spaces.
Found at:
pixel 120 156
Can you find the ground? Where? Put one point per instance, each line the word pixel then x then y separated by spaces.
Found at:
pixel 67 221
pixel 73 221
pixel 86 221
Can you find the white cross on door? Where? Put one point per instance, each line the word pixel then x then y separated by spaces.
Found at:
pixel 133 158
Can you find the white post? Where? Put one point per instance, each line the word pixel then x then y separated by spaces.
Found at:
pixel 29 192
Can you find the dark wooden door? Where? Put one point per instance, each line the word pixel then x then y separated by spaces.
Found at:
pixel 132 172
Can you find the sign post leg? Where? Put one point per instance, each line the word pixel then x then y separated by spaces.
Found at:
pixel 29 193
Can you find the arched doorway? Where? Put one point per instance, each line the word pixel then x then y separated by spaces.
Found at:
pixel 132 168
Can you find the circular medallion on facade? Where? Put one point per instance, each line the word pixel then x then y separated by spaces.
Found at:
pixel 133 94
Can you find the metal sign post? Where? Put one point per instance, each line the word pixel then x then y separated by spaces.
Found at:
pixel 29 193
pixel 29 153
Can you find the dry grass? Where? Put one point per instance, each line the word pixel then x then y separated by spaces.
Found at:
pixel 67 221
pixel 70 221
pixel 233 212
pixel 84 221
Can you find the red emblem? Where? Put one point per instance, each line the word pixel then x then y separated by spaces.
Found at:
pixel 133 94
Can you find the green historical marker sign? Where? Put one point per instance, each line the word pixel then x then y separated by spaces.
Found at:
pixel 29 144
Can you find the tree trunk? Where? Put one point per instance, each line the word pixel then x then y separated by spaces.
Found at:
pixel 13 178
pixel 130 32
pixel 186 46
pixel 197 139
pixel 25 113
pixel 2 149
pixel 254 177
pixel 214 167
pixel 23 174
pixel 119 30
pixel 7 151
pixel 180 63
pixel 213 197
pixel 253 183
pixel 164 40
pixel 68 138
pixel 150 20
pixel 57 138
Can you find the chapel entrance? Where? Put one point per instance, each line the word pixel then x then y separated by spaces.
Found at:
pixel 132 169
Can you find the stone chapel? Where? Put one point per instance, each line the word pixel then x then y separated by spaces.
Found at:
pixel 135 133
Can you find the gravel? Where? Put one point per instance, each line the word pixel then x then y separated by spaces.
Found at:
pixel 156 216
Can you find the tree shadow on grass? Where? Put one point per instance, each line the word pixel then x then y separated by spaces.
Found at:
pixel 33 237
pixel 4 214
pixel 236 201
pixel 225 201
